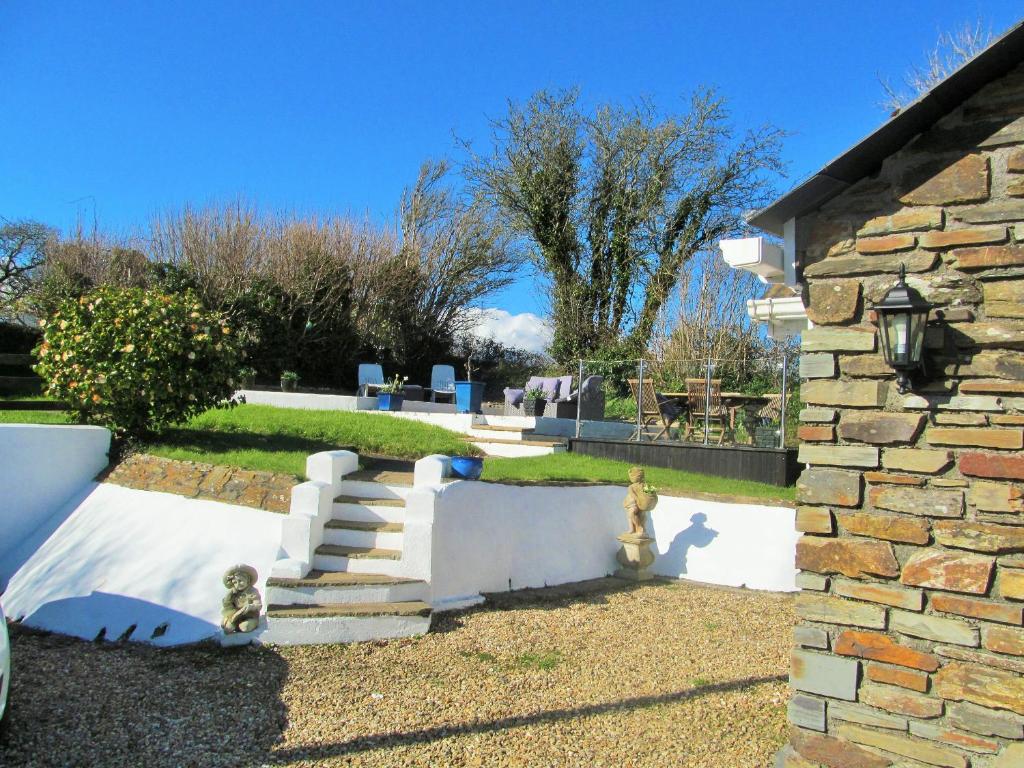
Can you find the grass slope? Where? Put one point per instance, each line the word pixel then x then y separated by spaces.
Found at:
pixel 263 437
pixel 574 467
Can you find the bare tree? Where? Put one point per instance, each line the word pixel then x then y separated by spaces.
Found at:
pixel 952 49
pixel 22 253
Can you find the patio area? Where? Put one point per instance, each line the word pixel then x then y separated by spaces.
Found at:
pixel 666 674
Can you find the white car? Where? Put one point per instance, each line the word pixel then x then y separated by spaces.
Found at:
pixel 5 667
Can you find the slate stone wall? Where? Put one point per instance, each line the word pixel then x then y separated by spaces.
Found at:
pixel 268 491
pixel 910 646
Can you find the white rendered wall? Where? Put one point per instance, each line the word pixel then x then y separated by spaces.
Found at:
pixel 42 467
pixel 493 538
pixel 125 557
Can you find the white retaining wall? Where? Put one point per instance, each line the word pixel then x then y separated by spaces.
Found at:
pixel 494 538
pixel 42 467
pixel 124 557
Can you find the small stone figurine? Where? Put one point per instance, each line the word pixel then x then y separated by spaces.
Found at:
pixel 640 499
pixel 635 556
pixel 240 610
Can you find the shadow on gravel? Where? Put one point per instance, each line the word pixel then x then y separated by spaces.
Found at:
pixel 75 703
pixel 427 735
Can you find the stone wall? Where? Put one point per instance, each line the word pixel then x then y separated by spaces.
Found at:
pixel 910 648
pixel 263 490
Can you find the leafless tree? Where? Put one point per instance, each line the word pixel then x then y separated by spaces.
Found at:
pixel 952 49
pixel 22 253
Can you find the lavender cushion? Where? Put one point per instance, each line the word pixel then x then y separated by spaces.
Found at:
pixel 513 396
pixel 565 387
pixel 549 385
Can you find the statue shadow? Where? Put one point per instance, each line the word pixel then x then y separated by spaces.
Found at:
pixel 696 534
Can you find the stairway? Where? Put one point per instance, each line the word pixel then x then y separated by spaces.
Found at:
pixel 513 441
pixel 355 591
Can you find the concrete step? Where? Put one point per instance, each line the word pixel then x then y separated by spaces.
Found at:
pixel 528 441
pixel 371 490
pixel 514 449
pixel 368 510
pixel 289 628
pixel 372 535
pixel 325 588
pixel 502 428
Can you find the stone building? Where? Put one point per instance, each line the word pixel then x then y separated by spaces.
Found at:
pixel 909 649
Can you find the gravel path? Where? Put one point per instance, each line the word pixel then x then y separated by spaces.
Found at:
pixel 668 674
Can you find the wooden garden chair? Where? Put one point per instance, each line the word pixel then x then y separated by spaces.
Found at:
pixel 701 408
pixel 655 410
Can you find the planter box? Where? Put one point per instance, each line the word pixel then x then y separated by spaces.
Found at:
pixel 289 386
pixel 534 407
pixel 469 396
pixel 390 401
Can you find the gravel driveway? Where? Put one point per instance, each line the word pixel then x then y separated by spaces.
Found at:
pixel 667 674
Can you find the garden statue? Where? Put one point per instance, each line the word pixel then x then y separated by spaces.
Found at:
pixel 641 498
pixel 635 554
pixel 240 610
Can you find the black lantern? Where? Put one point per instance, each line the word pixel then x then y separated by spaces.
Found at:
pixel 902 318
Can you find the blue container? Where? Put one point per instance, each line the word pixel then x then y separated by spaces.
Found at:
pixel 469 396
pixel 467 467
pixel 390 401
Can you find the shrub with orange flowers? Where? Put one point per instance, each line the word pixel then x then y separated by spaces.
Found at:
pixel 136 361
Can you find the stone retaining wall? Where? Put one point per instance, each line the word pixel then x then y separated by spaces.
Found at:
pixel 910 645
pixel 264 490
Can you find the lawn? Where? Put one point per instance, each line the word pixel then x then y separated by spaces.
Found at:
pixel 263 437
pixel 574 467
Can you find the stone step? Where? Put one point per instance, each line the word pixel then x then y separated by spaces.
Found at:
pixel 317 578
pixel 404 608
pixel 327 558
pixel 327 588
pixel 358 553
pixel 363 501
pixel 364 525
pixel 385 470
pixel 379 536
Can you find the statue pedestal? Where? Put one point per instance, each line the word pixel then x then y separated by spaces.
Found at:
pixel 634 556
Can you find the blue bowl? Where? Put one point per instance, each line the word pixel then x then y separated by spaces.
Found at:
pixel 467 467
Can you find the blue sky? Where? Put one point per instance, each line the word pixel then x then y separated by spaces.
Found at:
pixel 136 107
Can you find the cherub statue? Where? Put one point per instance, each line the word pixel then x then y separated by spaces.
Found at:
pixel 240 610
pixel 640 499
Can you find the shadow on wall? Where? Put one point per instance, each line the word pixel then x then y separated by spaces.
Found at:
pixel 120 618
pixel 696 534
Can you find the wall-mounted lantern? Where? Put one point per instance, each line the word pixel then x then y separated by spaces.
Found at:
pixel 902 318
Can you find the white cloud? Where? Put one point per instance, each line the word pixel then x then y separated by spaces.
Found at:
pixel 525 330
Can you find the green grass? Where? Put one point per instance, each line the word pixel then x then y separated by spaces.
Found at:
pixel 543 661
pixel 34 417
pixel 574 467
pixel 262 437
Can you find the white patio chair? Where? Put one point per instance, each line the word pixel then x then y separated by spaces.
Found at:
pixel 371 377
pixel 442 382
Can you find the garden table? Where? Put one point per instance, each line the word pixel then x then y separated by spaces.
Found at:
pixel 747 405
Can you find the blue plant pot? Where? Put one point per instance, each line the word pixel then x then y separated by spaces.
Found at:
pixel 467 467
pixel 469 396
pixel 390 401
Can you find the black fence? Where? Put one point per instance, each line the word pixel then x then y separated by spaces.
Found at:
pixel 775 466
